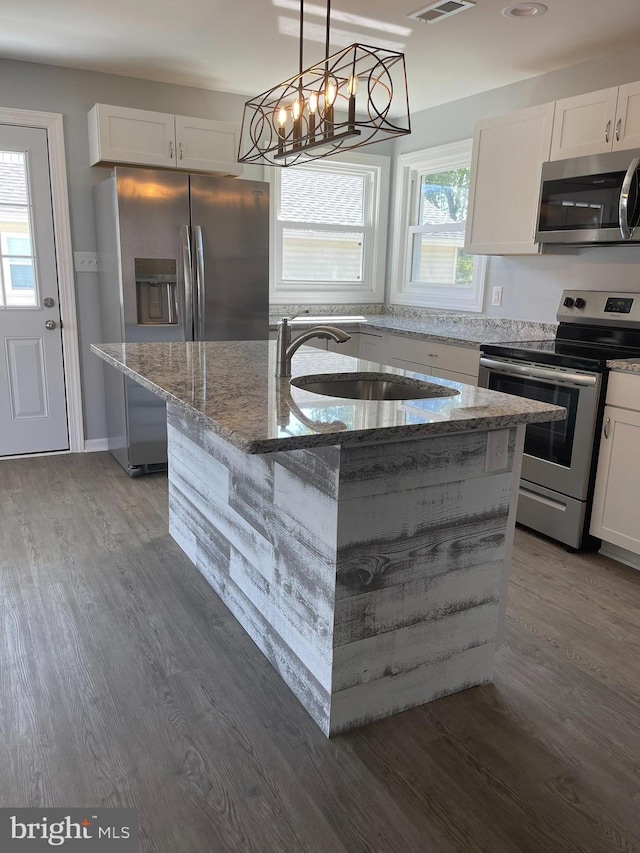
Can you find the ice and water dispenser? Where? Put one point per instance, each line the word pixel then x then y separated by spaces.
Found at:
pixel 156 291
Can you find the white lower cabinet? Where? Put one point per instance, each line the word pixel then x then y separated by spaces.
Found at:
pixel 447 361
pixel 370 347
pixel 616 506
pixel 419 355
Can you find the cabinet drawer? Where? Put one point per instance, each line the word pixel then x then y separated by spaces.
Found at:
pixel 432 354
pixel 624 390
pixel 465 378
pixel 407 365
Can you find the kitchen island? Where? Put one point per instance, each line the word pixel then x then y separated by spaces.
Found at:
pixel 363 545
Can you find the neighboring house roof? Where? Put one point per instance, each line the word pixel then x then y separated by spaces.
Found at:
pixel 13 188
pixel 311 196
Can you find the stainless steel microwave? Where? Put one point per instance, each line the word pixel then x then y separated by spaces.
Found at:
pixel 590 200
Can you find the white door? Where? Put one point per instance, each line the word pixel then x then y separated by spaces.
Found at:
pixel 33 412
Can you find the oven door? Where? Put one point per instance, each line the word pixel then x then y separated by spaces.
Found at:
pixel 557 454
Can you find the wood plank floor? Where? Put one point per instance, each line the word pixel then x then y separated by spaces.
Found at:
pixel 125 682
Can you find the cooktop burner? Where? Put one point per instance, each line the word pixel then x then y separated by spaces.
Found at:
pixel 576 355
pixel 595 326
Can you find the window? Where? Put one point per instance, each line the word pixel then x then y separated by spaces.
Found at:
pixel 330 230
pixel 430 265
pixel 17 262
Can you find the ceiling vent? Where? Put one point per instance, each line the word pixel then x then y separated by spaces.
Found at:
pixel 438 11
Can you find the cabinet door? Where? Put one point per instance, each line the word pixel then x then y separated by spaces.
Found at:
pixel 617 492
pixel 371 347
pixel 584 124
pixel 508 153
pixel 136 137
pixel 207 146
pixel 626 132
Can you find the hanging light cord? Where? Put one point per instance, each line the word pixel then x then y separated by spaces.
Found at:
pixel 326 41
pixel 301 31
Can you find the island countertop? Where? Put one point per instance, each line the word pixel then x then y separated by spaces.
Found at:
pixel 231 387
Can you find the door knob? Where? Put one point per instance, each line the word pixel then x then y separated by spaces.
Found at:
pixel 50 324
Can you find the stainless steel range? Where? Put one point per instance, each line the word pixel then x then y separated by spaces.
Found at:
pixel 558 470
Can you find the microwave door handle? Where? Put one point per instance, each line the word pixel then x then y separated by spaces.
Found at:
pixel 185 244
pixel 625 229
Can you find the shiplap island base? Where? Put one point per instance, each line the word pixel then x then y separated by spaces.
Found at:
pixel 366 558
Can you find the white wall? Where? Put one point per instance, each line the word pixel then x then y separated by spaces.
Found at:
pixel 533 285
pixel 30 86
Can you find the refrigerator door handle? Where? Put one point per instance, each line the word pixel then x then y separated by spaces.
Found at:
pixel 185 243
pixel 199 325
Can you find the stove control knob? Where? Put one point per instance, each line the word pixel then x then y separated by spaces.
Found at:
pixel 580 302
pixel 569 302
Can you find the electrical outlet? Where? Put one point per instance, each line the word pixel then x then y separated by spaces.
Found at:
pixel 497 450
pixel 85 261
pixel 496 296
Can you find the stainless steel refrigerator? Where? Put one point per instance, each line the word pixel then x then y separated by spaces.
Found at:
pixel 181 258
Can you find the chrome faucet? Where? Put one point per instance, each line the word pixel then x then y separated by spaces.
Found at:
pixel 286 348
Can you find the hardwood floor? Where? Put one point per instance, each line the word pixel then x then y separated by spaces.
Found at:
pixel 125 682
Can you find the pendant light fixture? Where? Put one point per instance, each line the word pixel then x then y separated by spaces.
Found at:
pixel 352 98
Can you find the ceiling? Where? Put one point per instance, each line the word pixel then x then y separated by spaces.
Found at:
pixel 246 46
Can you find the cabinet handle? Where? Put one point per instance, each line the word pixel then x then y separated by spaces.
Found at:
pixel 607 425
pixel 170 150
pixel 431 354
pixel 181 151
pixel 618 128
pixel 606 131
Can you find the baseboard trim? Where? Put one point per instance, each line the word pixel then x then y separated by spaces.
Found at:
pixel 34 455
pixel 621 555
pixel 95 445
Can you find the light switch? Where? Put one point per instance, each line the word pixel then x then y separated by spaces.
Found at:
pixel 85 261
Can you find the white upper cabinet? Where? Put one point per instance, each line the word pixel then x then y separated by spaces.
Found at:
pixel 626 133
pixel 607 120
pixel 207 146
pixel 122 135
pixel 145 138
pixel 508 152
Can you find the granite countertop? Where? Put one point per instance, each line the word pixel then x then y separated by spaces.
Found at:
pixel 232 388
pixel 461 330
pixel 631 365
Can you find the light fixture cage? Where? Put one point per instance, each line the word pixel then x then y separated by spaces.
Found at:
pixel 379 109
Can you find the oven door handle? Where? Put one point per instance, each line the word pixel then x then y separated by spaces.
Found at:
pixel 583 381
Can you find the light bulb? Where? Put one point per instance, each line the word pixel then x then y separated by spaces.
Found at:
pixel 330 93
pixel 295 110
pixel 282 117
pixel 352 85
pixel 313 103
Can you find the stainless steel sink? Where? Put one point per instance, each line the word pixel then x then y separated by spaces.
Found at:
pixel 371 386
